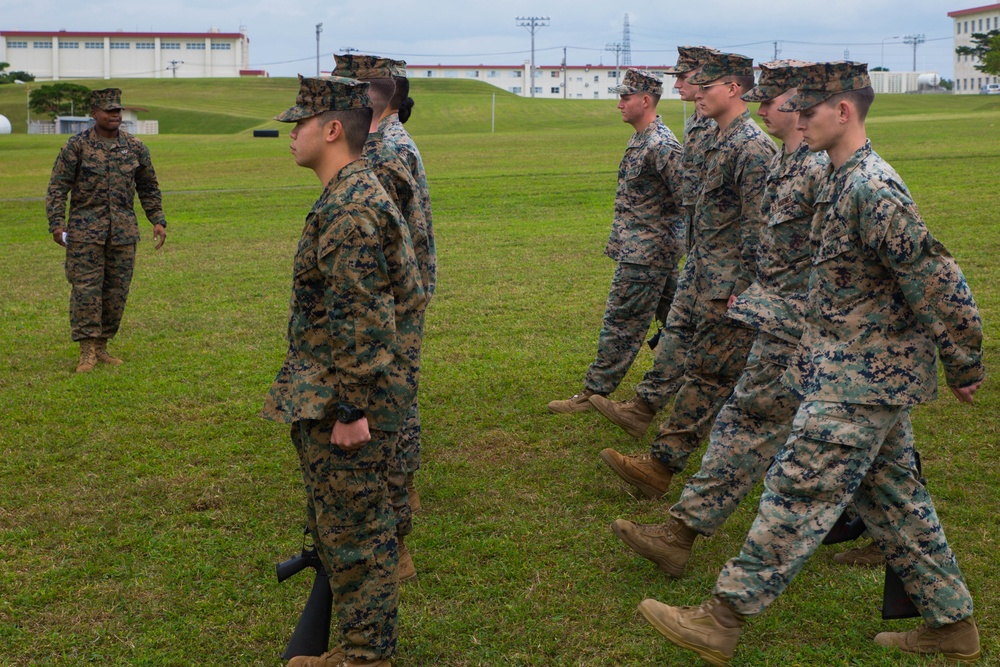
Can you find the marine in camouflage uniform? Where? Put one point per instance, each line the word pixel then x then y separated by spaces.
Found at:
pixel 661 381
pixel 756 419
pixel 723 254
pixel 101 170
pixel 356 301
pixel 883 294
pixel 398 140
pixel 645 240
pixel 403 189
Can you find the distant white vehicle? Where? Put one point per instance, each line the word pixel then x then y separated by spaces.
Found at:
pixel 990 89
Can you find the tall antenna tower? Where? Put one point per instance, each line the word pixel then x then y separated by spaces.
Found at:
pixel 626 45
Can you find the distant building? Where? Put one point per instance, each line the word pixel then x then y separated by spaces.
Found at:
pixel 122 55
pixel 968 80
pixel 591 82
pixel 577 82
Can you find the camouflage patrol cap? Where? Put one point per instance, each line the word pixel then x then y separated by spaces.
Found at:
pixel 317 96
pixel 776 77
pixel 689 58
pixel 821 81
pixel 638 81
pixel 362 67
pixel 108 99
pixel 397 68
pixel 717 65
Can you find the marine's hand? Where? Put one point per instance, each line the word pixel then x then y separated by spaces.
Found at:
pixel 350 436
pixel 57 236
pixel 732 300
pixel 964 395
pixel 159 232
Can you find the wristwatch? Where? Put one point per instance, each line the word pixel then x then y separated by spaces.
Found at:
pixel 348 414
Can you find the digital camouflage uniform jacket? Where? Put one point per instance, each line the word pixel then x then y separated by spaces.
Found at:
pixel 648 217
pixel 699 134
pixel 356 296
pixel 776 301
pixel 882 294
pixel 402 189
pixel 398 140
pixel 727 214
pixel 102 179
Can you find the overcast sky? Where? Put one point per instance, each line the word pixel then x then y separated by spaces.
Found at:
pixel 283 34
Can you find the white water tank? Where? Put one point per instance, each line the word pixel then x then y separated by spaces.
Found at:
pixel 928 80
pixel 4 125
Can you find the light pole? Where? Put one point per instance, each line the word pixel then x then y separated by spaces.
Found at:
pixel 882 60
pixel 319 29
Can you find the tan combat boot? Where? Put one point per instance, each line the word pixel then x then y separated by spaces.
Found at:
pixel 101 350
pixel 383 662
pixel 867 555
pixel 411 493
pixel 407 570
pixel 333 658
pixel 633 416
pixel 88 357
pixel 711 630
pixel 577 403
pixel 668 545
pixel 643 472
pixel 956 641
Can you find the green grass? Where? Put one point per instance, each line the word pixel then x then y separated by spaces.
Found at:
pixel 142 507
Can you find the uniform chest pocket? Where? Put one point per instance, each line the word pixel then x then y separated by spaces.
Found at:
pixel 830 247
pixel 713 181
pixel 347 260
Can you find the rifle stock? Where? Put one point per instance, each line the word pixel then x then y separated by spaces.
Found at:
pixel 312 632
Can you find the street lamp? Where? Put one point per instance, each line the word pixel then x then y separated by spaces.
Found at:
pixel 882 61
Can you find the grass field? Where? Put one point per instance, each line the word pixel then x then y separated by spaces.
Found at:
pixel 142 507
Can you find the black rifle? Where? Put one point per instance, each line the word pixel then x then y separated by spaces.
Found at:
pixel 896 603
pixel 312 633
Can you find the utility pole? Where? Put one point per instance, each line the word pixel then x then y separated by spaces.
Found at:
pixel 319 29
pixel 617 48
pixel 565 73
pixel 532 23
pixel 915 40
pixel 174 64
pixel 776 51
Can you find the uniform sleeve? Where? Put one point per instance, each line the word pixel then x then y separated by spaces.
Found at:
pixel 931 281
pixel 751 178
pixel 359 305
pixel 148 189
pixel 63 177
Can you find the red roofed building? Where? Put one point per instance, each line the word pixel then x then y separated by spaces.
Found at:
pixel 969 80
pixel 115 55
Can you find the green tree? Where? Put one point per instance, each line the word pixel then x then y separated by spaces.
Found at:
pixel 986 49
pixel 60 99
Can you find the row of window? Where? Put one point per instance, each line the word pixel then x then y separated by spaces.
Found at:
pixel 517 91
pixel 959 25
pixel 166 46
pixel 492 74
pixel 975 83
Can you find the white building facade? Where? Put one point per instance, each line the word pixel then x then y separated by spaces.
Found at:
pixel 591 82
pixel 121 55
pixel 968 80
pixel 577 82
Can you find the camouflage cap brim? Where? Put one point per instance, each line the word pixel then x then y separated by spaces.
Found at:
pixel 319 95
pixel 762 93
pixel 690 58
pixel 806 99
